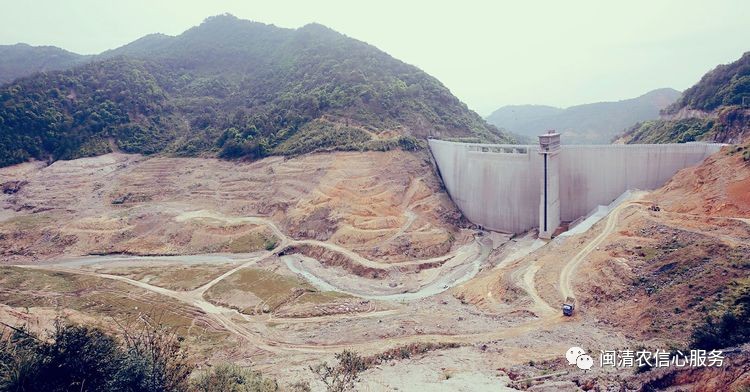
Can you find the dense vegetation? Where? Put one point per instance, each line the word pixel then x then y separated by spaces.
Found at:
pixel 714 109
pixel 236 88
pixel 731 328
pixel 78 358
pixel 725 85
pixel 72 113
pixel 676 131
pixel 147 359
pixel 727 126
pixel 23 60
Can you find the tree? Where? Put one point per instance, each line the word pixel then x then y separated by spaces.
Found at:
pixel 81 358
pixel 155 357
pixel 342 376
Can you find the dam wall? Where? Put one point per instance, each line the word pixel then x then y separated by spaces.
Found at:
pixel 495 186
pixel 499 186
pixel 596 175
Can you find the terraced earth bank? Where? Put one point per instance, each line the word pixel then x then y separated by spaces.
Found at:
pixel 384 206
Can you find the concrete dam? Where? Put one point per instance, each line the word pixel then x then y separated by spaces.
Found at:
pixel 514 188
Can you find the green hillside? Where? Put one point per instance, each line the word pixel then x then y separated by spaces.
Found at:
pixel 63 115
pixel 725 85
pixel 232 88
pixel 717 109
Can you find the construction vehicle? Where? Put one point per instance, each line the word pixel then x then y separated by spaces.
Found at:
pixel 569 306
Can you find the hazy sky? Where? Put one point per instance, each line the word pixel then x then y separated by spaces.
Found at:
pixel 489 53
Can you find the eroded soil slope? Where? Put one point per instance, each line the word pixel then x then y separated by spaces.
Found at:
pixel 718 187
pixel 384 205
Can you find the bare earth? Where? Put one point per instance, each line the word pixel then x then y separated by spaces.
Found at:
pixel 281 263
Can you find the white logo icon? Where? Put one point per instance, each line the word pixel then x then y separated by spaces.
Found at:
pixel 573 353
pixel 584 362
pixel 577 356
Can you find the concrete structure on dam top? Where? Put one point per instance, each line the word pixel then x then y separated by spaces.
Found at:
pixel 514 188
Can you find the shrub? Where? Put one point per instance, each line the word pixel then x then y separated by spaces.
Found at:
pixel 409 350
pixel 155 356
pixel 342 376
pixel 80 358
pixel 270 244
pixel 732 328
pixel 232 378
pixel 299 386
pixel 409 143
pixel 73 358
pixel 253 149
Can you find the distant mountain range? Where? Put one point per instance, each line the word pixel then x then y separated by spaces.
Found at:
pixel 717 108
pixel 593 123
pixel 229 87
pixel 22 60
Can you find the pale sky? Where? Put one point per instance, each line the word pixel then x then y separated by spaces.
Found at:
pixel 489 53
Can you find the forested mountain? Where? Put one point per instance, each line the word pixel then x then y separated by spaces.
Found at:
pixel 593 123
pixel 717 108
pixel 725 85
pixel 22 60
pixel 235 88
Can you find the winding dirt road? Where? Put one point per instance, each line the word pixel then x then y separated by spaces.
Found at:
pixel 566 274
pixel 286 241
pixel 237 323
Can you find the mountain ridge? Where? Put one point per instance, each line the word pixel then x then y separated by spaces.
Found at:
pixel 596 122
pixel 21 60
pixel 716 109
pixel 236 89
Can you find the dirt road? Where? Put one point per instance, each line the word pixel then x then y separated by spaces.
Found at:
pixel 566 274
pixel 286 241
pixel 239 324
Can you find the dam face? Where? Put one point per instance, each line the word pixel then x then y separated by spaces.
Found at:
pixel 502 187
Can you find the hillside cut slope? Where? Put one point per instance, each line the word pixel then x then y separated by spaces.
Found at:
pixel 235 88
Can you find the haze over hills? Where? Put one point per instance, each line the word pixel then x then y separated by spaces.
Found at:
pixel 22 60
pixel 594 123
pixel 235 88
pixel 717 108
